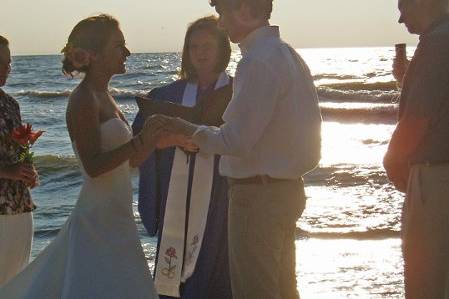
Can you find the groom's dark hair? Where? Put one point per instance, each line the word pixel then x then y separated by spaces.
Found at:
pixel 259 8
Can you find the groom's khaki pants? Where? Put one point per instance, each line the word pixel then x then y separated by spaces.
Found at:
pixel 425 233
pixel 262 224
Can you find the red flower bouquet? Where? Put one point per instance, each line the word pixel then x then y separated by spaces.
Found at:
pixel 26 137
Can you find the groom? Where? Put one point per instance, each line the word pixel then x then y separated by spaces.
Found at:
pixel 270 138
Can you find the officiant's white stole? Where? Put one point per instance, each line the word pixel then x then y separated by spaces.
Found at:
pixel 178 253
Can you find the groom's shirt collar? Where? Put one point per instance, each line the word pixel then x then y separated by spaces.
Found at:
pixel 257 36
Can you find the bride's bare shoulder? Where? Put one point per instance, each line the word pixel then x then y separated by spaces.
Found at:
pixel 82 107
pixel 82 98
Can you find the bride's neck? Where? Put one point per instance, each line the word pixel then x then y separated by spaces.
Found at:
pixel 97 81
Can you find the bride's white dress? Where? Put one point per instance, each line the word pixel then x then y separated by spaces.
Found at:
pixel 97 254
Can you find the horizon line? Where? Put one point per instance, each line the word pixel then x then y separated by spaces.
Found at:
pixel 177 52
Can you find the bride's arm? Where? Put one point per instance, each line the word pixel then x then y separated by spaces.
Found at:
pixel 144 147
pixel 85 124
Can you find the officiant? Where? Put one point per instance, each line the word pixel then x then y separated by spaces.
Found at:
pixel 182 198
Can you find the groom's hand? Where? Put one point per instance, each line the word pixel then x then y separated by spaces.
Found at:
pixel 169 140
pixel 181 126
pixel 188 145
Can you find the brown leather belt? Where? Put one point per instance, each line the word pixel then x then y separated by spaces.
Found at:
pixel 257 180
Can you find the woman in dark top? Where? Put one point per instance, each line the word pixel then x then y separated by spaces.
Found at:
pixel 16 206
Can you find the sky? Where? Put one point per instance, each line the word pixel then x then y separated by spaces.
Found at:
pixel 42 26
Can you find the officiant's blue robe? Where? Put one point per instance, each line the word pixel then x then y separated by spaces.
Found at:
pixel 211 277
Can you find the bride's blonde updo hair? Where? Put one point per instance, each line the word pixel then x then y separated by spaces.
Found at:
pixel 87 38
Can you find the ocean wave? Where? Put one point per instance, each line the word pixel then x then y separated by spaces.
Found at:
pixel 386 113
pixel 55 164
pixel 369 96
pixel 334 76
pixel 380 92
pixel 374 234
pixel 346 175
pixel 46 233
pixel 127 93
pixel 375 92
pixel 50 94
pixel 44 93
pixel 381 86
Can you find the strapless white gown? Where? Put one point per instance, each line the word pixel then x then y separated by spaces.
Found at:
pixel 97 254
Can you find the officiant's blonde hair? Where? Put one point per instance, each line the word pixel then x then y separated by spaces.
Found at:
pixel 210 24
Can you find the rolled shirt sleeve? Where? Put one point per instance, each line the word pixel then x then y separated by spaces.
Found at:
pixel 247 115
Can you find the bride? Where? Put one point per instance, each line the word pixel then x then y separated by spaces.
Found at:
pixel 97 254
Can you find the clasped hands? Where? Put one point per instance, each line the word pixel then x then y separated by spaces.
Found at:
pixel 172 131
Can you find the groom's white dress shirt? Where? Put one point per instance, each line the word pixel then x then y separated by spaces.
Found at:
pixel 273 110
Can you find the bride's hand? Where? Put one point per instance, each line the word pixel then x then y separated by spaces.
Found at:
pixel 176 125
pixel 152 130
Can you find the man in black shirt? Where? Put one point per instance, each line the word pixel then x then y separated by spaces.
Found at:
pixel 417 160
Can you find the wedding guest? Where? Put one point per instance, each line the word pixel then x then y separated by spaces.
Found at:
pixel 16 205
pixel 270 138
pixel 418 155
pixel 205 56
